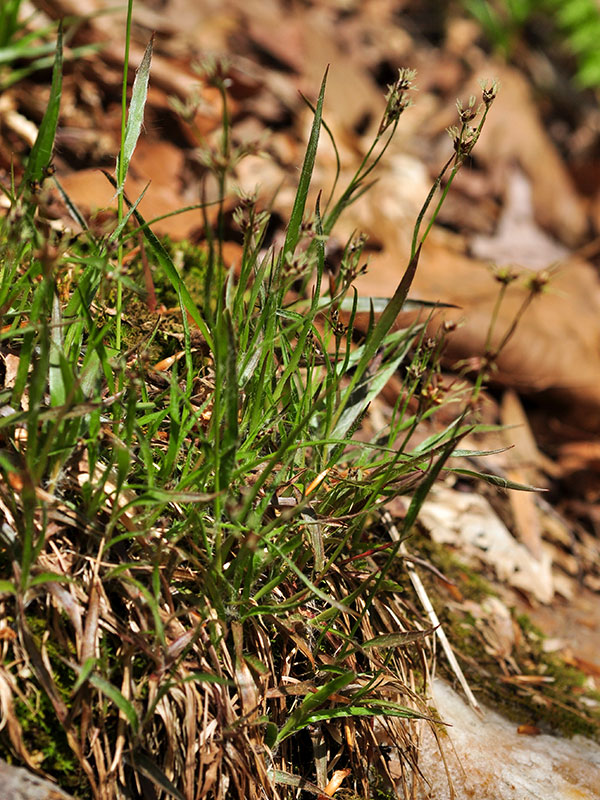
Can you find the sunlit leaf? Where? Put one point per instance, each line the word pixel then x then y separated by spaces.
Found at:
pixel 135 116
pixel 497 480
pixel 298 718
pixel 293 230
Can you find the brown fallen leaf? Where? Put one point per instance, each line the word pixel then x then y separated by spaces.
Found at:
pixel 528 730
pixel 467 521
pixel 522 466
pixel 157 162
pixel 580 456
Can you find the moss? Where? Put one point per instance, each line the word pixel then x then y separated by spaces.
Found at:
pixel 554 706
pixel 43 735
pixel 146 333
pixel 471 584
pixel 45 738
pixel 156 336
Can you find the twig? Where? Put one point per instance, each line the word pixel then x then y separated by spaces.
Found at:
pixel 429 610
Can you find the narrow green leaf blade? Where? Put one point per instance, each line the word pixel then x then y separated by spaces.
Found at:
pixel 364 395
pixel 343 712
pixel 58 392
pixel 293 231
pixel 48 577
pixel 110 691
pixel 481 453
pixel 84 673
pixel 497 480
pixel 298 719
pixel 41 152
pixel 144 765
pixel 231 396
pixel 121 226
pixel 166 262
pixel 381 330
pixel 425 487
pixel 135 117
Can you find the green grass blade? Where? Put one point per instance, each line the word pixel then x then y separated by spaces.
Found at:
pixel 496 480
pixel 379 304
pixel 41 152
pixel 480 453
pixel 380 330
pixel 146 766
pixel 298 719
pixel 231 397
pixel 425 486
pixel 343 712
pixel 166 262
pixel 110 691
pixel 121 226
pixel 58 392
pixel 48 577
pixel 84 673
pixel 12 54
pixel 293 231
pixel 135 117
pixel 364 395
pixel 9 20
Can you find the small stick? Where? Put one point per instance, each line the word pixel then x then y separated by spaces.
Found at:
pixel 429 610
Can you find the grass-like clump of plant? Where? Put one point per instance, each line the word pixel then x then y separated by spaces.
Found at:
pixel 195 602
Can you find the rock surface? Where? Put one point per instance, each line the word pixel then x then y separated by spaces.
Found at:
pixel 17 783
pixel 488 759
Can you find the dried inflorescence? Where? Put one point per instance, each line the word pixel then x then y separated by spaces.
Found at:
pixel 464 135
pixel 397 99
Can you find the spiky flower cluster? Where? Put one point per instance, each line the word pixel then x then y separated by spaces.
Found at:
pixel 467 113
pixel 489 93
pixel 397 99
pixel 465 136
pixel 214 70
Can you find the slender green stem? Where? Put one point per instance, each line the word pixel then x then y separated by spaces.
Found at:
pixel 121 173
pixel 441 201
